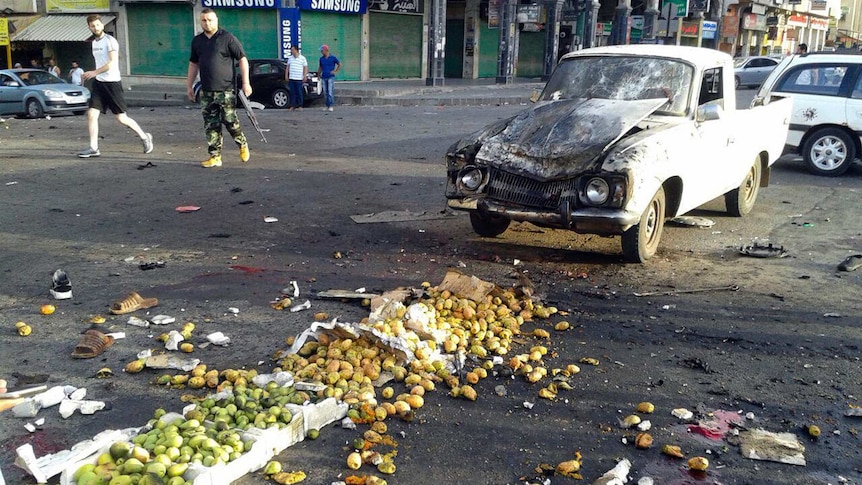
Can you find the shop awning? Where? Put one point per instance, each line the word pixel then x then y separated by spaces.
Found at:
pixel 58 28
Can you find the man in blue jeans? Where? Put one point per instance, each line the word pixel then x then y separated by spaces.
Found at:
pixel 297 71
pixel 326 69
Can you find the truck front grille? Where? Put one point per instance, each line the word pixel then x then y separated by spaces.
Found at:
pixel 516 189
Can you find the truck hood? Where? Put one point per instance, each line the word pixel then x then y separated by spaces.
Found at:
pixel 560 138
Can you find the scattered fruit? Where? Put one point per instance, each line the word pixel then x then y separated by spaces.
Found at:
pixel 646 407
pixel 47 309
pixel 23 329
pixel 698 463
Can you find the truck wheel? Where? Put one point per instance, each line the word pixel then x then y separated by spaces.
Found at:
pixel 34 109
pixel 488 226
pixel 829 151
pixel 641 240
pixel 280 98
pixel 740 201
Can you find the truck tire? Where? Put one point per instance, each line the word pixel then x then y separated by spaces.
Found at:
pixel 488 226
pixel 829 152
pixel 640 241
pixel 34 109
pixel 740 201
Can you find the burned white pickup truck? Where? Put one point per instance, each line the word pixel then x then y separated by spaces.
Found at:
pixel 621 138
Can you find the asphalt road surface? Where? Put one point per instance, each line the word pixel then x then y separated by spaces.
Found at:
pixel 781 352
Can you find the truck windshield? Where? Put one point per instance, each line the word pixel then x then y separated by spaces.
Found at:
pixel 623 78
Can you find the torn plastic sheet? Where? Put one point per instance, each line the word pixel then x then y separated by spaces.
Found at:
pixel 759 444
pixel 47 466
pixel 164 361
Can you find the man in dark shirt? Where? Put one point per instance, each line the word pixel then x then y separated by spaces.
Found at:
pixel 213 54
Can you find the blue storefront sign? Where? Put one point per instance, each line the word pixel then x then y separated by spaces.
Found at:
pixel 240 3
pixel 710 28
pixel 340 6
pixel 289 31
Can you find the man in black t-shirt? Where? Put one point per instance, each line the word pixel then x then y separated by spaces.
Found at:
pixel 213 54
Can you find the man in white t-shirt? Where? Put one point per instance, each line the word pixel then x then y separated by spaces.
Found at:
pixel 75 74
pixel 297 71
pixel 107 90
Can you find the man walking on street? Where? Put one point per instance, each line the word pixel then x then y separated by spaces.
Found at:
pixel 297 71
pixel 213 54
pixel 326 70
pixel 107 91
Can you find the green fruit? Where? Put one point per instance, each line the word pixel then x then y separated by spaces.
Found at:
pixel 312 434
pixel 141 454
pixel 83 469
pixel 272 468
pixel 121 480
pixel 151 480
pixel 175 481
pixel 157 468
pixel 133 465
pixel 177 469
pixel 86 478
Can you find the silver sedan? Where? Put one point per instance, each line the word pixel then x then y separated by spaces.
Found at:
pixel 752 71
pixel 34 93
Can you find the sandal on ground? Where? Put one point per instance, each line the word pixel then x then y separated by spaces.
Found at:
pixel 852 263
pixel 92 343
pixel 132 303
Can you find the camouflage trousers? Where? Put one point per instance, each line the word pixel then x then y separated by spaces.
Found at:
pixel 217 108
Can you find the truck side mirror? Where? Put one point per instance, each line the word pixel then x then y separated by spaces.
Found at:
pixel 708 112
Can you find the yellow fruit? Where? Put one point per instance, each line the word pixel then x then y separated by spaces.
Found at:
pixel 197 382
pixel 354 461
pixel 387 467
pixel 643 440
pixel 672 450
pixel 47 309
pixel 187 347
pixel 291 478
pixel 23 329
pixel 135 366
pixel 646 407
pixel 97 319
pixel 561 326
pixel 631 420
pixel 698 463
pixel 814 430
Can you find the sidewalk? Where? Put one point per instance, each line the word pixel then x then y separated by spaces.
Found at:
pixel 399 92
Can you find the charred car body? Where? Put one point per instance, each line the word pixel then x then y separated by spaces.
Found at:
pixel 621 138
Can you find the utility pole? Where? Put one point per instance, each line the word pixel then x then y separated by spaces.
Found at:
pixel 591 16
pixel 620 30
pixel 552 37
pixel 651 15
pixel 436 44
pixel 506 52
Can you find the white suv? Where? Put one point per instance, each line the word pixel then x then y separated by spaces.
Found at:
pixel 826 121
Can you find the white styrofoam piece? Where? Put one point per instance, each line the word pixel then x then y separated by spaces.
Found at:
pixel 51 397
pixel 50 465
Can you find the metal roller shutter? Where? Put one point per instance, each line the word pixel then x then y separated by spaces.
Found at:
pixel 342 33
pixel 161 55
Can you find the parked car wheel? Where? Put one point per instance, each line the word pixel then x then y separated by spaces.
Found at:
pixel 640 241
pixel 829 151
pixel 34 109
pixel 740 201
pixel 488 226
pixel 736 82
pixel 280 98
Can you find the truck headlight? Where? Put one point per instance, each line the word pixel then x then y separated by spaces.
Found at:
pixel 597 191
pixel 470 177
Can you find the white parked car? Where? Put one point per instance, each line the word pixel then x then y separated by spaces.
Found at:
pixel 826 120
pixel 621 138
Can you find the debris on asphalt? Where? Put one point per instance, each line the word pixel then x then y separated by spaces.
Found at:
pixel 152 265
pixel 302 306
pixel 400 216
pixel 188 208
pixel 759 444
pixel 618 475
pixel 270 219
pixel 851 263
pixel 758 250
pixel 718 424
pixel 345 294
pixel 218 338
pixel 162 320
pixel 138 322
pixel 854 412
pixel 166 361
pixel 682 413
pixel 694 221
pixel 694 290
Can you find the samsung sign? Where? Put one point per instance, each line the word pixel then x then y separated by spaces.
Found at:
pixel 341 6
pixel 240 3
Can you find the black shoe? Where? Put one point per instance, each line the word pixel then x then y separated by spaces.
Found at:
pixel 61 288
